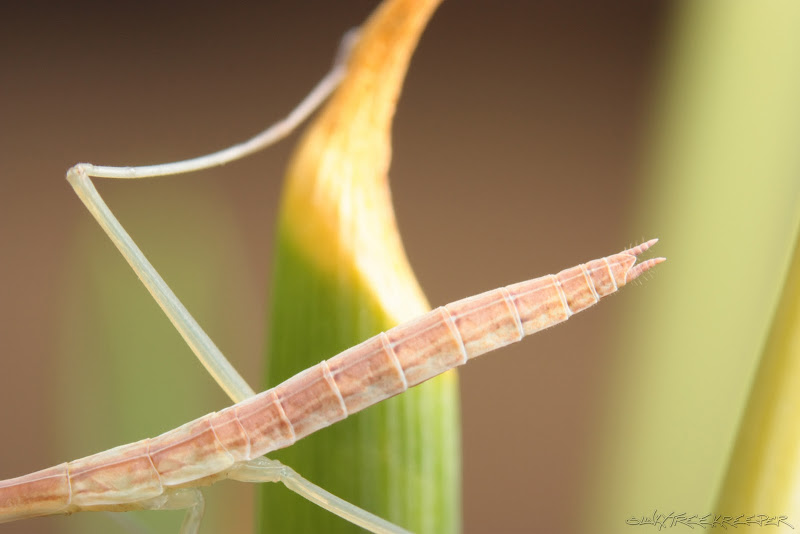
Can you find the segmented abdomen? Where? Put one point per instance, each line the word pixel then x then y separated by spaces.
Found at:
pixel 392 361
pixel 383 366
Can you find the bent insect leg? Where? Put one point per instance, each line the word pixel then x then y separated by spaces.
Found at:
pixel 79 177
pixel 206 351
pixel 263 469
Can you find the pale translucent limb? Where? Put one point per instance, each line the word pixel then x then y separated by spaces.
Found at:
pixel 202 346
pixel 271 135
pixel 219 368
pixel 207 352
pixel 266 470
pixel 189 499
pixel 128 523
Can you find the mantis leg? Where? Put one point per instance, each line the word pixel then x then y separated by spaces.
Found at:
pixel 79 177
pixel 266 470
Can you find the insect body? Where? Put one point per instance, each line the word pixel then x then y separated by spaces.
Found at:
pixel 164 472
pixel 154 472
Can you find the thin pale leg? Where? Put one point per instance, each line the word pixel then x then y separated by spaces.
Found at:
pixel 189 499
pixel 200 343
pixel 268 137
pixel 266 470
pixel 202 346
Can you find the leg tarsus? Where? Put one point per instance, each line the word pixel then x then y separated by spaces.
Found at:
pixel 346 45
pixel 266 470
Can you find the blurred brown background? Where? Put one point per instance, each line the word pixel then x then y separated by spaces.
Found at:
pixel 516 150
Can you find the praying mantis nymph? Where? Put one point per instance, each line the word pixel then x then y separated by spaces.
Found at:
pixel 164 472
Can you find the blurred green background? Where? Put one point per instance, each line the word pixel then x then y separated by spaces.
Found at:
pixel 527 139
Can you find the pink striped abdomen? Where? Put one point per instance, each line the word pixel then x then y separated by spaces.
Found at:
pixel 383 366
pixel 41 493
pixel 391 362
